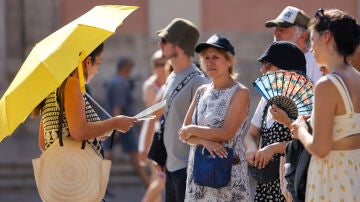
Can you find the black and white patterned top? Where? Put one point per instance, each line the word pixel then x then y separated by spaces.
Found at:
pixel 271 191
pixel 212 108
pixel 50 119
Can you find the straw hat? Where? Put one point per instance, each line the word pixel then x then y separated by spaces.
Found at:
pixel 69 173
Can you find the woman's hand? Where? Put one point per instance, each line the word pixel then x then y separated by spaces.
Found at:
pixel 186 132
pixel 280 116
pixel 259 158
pixel 215 148
pixel 250 156
pixel 124 123
pixel 263 157
pixel 297 126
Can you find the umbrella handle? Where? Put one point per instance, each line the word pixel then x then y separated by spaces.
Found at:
pixel 81 71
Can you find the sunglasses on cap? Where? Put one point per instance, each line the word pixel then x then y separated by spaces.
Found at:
pixel 324 21
pixel 319 13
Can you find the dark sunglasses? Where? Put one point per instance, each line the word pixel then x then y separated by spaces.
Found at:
pixel 324 21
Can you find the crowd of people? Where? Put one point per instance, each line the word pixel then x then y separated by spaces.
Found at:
pixel 207 106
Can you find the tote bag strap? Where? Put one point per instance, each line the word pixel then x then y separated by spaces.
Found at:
pixel 61 101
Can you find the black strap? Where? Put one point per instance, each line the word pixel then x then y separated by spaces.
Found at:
pixel 61 101
pixel 176 90
pixel 179 87
pixel 263 122
pixel 263 118
pixel 196 106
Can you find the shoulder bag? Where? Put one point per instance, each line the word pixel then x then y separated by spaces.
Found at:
pixel 157 151
pixel 69 170
pixel 271 170
pixel 212 172
pixel 209 171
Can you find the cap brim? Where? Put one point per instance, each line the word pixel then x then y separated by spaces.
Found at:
pixel 161 32
pixel 277 22
pixel 261 58
pixel 201 46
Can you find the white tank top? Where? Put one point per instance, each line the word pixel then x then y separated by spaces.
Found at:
pixel 349 123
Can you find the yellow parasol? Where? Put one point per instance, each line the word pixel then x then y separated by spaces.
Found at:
pixel 53 59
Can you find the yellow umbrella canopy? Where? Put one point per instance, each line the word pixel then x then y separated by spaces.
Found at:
pixel 53 59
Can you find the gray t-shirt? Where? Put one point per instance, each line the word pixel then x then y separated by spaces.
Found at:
pixel 177 151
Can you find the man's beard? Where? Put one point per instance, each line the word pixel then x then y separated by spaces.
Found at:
pixel 172 55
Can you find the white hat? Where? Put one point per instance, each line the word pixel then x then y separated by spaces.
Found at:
pixel 288 17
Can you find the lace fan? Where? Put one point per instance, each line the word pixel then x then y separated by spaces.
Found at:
pixel 290 91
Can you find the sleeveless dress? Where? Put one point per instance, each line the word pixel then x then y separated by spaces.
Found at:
pixel 337 176
pixel 212 107
pixel 271 191
pixel 50 119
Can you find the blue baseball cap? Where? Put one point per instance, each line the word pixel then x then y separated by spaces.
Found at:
pixel 216 41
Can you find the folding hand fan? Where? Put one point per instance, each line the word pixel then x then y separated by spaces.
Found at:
pixel 290 91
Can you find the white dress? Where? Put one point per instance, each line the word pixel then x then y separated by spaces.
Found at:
pixel 212 108
pixel 337 176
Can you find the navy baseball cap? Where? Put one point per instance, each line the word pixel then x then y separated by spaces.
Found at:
pixel 216 41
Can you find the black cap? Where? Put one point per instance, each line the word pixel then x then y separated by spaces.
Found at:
pixel 285 55
pixel 216 41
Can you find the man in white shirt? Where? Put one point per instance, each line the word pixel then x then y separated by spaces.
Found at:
pixel 291 25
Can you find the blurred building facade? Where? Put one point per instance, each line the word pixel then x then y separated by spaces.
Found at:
pixel 23 23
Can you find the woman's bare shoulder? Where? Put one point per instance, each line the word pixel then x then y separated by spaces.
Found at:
pixel 324 85
pixel 242 90
pixel 72 81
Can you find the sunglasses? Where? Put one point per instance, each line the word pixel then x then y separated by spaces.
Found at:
pixel 319 13
pixel 324 21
